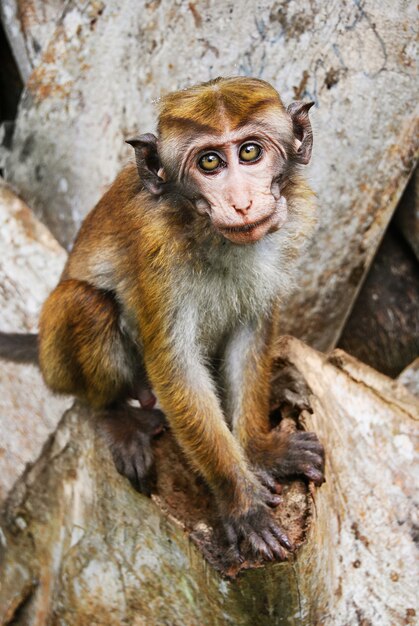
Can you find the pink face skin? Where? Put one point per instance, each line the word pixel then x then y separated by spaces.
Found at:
pixel 240 195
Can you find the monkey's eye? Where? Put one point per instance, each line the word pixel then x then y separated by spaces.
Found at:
pixel 250 152
pixel 209 162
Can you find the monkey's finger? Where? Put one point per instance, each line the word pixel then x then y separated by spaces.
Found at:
pixel 281 536
pixel 310 458
pixel 295 400
pixel 119 464
pixel 274 545
pixel 142 482
pixel 232 552
pixel 259 547
pixel 308 441
pixel 233 555
pixel 272 500
pixel 303 434
pixel 313 474
pixel 143 460
pixel 267 480
pixel 230 534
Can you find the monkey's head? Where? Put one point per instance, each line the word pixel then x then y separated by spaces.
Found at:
pixel 230 146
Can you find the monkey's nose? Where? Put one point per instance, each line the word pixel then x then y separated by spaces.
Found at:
pixel 242 210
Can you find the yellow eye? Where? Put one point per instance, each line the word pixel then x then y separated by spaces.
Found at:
pixel 209 162
pixel 250 152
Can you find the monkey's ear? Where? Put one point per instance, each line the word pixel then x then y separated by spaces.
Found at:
pixel 148 162
pixel 302 129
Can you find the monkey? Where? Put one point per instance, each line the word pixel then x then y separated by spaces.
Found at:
pixel 172 290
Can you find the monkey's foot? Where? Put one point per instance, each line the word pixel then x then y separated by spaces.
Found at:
pixel 255 534
pixel 129 432
pixel 283 455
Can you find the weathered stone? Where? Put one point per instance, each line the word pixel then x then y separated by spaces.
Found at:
pixel 30 263
pixel 108 62
pixel 29 25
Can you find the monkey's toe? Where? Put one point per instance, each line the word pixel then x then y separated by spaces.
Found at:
pixel 135 461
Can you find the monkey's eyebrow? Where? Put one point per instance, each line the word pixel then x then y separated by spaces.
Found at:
pixel 256 124
pixel 187 124
pixel 258 109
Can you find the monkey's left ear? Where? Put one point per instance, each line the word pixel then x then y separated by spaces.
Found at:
pixel 302 129
pixel 148 162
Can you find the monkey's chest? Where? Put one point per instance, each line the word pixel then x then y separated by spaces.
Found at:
pixel 216 302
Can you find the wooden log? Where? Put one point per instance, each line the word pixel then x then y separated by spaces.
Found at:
pixel 80 546
pixel 109 61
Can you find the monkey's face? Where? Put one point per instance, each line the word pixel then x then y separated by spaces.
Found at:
pixel 236 181
pixel 230 150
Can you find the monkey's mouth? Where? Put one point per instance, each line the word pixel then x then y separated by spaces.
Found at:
pixel 244 228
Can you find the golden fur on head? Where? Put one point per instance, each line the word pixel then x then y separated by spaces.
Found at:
pixel 208 104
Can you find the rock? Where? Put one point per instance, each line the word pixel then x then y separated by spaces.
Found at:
pixel 31 261
pixel 29 25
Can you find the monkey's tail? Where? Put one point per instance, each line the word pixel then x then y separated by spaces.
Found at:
pixel 19 347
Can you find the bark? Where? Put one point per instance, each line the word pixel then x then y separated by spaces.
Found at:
pixel 108 62
pixel 79 546
pixel 30 263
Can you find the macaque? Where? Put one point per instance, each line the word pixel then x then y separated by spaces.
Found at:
pixel 172 290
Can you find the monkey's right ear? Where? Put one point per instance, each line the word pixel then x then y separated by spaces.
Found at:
pixel 302 129
pixel 148 162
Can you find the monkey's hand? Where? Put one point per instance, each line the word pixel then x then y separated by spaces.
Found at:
pixel 282 454
pixel 251 530
pixel 255 534
pixel 129 432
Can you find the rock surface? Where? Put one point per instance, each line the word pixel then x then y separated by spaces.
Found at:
pixel 31 261
pixel 29 25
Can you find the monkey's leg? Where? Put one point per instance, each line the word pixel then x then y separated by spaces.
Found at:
pixel 275 453
pixel 83 352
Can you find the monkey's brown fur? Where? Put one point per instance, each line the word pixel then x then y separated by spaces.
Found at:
pixel 154 290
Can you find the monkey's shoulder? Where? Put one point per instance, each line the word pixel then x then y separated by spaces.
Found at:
pixel 111 230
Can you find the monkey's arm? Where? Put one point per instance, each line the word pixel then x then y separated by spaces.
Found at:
pixel 186 392
pixel 247 371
